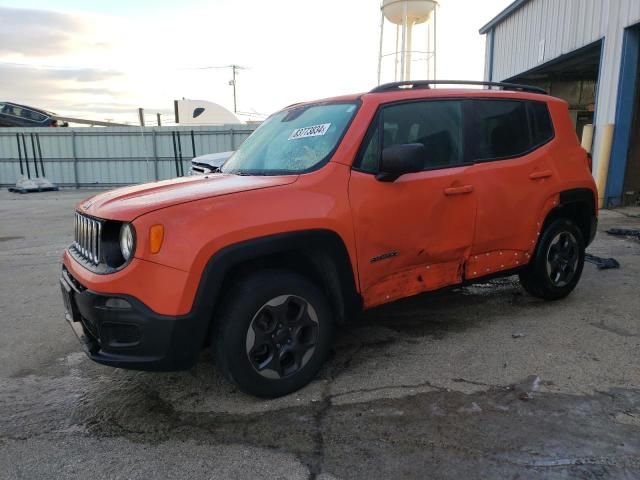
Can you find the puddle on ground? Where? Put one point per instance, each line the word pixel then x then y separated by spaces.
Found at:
pixel 496 431
pixel 425 430
pixel 9 239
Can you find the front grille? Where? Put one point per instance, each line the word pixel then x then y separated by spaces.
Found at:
pixel 200 169
pixel 88 233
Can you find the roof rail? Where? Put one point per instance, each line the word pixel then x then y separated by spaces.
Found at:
pixel 386 87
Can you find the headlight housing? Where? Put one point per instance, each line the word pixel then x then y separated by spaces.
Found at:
pixel 127 241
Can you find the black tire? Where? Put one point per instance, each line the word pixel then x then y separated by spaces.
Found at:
pixel 273 359
pixel 557 263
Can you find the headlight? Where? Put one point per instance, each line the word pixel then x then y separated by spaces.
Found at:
pixel 127 241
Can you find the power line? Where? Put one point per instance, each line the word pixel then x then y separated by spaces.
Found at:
pixel 215 67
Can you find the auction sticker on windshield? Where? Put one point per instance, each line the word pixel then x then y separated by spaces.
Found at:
pixel 312 131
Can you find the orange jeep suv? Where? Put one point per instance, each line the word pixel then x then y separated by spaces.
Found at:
pixel 328 208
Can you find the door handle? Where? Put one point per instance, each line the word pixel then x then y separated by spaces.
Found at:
pixel 458 190
pixel 540 174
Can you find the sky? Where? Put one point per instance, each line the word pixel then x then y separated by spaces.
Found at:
pixel 104 59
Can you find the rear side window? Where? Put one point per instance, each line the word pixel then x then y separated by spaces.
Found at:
pixel 500 128
pixel 541 125
pixel 508 128
pixel 437 124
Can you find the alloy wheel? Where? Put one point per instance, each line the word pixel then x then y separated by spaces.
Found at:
pixel 562 259
pixel 282 336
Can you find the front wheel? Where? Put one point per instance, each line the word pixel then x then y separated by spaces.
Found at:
pixel 556 266
pixel 274 333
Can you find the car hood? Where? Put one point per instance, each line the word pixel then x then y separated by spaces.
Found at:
pixel 130 202
pixel 213 159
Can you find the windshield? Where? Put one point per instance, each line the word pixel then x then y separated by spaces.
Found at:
pixel 292 141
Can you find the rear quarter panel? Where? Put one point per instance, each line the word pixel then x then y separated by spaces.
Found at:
pixel 571 162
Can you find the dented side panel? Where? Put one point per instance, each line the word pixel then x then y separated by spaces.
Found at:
pixel 413 281
pixel 411 236
pixel 489 263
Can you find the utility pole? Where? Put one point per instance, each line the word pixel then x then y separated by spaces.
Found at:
pixel 232 82
pixel 234 73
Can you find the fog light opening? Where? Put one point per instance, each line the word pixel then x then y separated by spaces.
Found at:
pixel 119 303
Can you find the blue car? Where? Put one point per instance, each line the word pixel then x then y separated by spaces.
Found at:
pixel 15 115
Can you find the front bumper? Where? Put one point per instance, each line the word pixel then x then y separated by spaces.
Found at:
pixel 124 332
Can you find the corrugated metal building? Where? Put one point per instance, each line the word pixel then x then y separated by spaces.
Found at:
pixel 587 52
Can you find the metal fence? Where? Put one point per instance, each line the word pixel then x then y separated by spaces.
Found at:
pixel 90 157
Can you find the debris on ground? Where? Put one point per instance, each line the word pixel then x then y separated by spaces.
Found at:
pixel 525 389
pixel 625 232
pixel 600 262
pixel 517 335
pixel 28 185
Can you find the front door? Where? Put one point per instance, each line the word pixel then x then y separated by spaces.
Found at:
pixel 413 234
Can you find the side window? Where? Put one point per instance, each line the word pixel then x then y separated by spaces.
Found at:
pixel 500 129
pixel 370 154
pixel 541 124
pixel 436 124
pixel 31 115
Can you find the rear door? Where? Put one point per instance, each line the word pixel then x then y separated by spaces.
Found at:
pixel 413 234
pixel 513 176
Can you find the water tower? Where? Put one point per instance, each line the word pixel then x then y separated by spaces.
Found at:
pixel 412 50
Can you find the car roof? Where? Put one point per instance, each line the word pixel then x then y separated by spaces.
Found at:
pixel 426 91
pixel 39 110
pixel 417 93
pixel 341 98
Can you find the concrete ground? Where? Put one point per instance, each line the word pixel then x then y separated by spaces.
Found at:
pixel 481 382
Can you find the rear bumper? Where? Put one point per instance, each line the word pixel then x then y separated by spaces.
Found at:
pixel 121 331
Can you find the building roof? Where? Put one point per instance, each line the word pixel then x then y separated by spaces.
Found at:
pixel 503 15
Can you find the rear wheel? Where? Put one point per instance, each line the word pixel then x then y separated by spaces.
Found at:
pixel 557 264
pixel 274 333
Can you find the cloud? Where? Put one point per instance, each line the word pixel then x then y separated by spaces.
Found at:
pixel 37 32
pixel 51 88
pixel 78 74
pixel 90 91
pixel 18 78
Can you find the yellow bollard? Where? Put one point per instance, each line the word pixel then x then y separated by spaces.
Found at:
pixel 587 137
pixel 604 155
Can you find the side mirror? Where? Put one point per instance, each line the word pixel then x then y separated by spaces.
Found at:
pixel 400 159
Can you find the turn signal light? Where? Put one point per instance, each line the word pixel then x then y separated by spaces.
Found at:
pixel 156 236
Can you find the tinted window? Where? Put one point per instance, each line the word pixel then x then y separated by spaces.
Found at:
pixel 541 125
pixel 31 115
pixel 25 113
pixel 509 128
pixel 500 129
pixel 436 124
